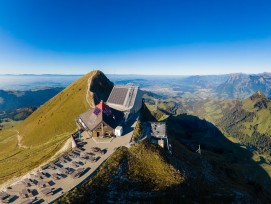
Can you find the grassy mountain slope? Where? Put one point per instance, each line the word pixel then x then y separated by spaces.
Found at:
pixel 247 120
pixel 44 132
pixel 56 117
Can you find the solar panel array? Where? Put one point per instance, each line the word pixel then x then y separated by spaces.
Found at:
pixel 107 111
pixel 96 111
pixel 118 95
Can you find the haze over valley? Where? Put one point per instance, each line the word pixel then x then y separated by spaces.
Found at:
pixel 24 91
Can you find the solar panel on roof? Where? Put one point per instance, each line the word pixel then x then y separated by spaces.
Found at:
pixel 107 111
pixel 96 111
pixel 118 95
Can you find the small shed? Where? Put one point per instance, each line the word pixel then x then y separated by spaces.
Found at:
pixel 118 131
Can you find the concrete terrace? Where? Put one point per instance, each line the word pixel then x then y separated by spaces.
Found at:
pixel 55 179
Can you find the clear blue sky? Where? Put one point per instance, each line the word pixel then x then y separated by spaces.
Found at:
pixel 134 36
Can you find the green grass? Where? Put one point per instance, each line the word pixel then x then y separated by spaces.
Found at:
pixel 57 116
pixel 8 143
pixel 263 120
pixel 147 165
pixel 44 132
pixel 213 111
pixel 137 131
pixel 17 161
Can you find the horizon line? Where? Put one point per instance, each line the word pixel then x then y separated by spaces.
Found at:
pixel 137 74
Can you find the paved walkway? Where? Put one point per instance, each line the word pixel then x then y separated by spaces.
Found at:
pixel 63 185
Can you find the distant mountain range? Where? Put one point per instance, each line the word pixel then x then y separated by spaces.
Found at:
pixel 242 86
pixel 236 85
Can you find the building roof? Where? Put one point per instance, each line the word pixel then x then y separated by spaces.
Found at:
pixel 158 129
pixel 122 97
pixel 102 106
pixel 101 113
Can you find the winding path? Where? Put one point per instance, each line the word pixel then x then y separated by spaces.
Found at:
pixel 19 139
pixel 88 92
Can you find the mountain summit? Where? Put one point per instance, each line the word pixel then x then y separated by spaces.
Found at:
pixel 56 117
pixel 46 130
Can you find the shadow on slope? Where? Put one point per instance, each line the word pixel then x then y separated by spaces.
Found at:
pixel 223 170
pixel 101 86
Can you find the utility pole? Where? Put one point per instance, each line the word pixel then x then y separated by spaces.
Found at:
pixel 199 150
pixel 156 104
